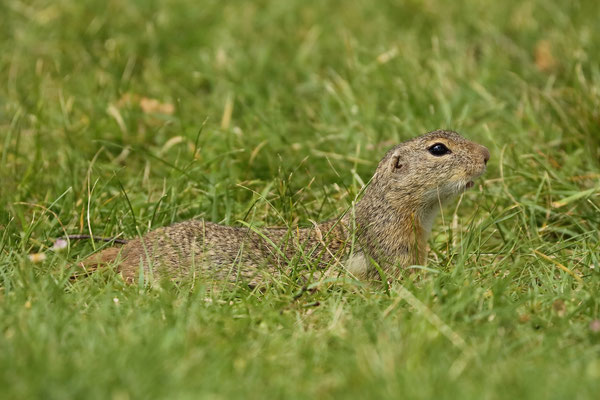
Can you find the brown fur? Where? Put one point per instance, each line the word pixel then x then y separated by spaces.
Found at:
pixel 388 227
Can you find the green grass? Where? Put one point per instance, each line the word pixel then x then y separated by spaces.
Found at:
pixel 294 102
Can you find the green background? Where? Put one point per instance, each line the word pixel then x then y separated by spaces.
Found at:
pixel 121 116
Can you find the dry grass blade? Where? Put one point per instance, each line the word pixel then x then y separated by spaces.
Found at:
pixel 559 265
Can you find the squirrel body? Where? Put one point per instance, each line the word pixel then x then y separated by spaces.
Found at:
pixel 386 231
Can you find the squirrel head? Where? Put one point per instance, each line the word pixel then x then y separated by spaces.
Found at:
pixel 429 169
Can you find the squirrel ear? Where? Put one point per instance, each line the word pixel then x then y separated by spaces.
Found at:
pixel 396 164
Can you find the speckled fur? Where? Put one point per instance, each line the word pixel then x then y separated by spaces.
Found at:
pixel 388 226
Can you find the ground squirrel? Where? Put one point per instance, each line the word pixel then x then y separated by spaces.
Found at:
pixel 385 231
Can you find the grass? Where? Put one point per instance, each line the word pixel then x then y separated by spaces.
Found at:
pixel 117 117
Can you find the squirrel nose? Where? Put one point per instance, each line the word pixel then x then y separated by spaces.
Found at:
pixel 486 154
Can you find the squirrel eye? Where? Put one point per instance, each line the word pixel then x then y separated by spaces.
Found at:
pixel 439 149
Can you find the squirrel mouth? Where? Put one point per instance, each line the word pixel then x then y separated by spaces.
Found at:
pixel 469 185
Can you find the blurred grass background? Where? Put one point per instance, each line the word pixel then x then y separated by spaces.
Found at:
pixel 120 116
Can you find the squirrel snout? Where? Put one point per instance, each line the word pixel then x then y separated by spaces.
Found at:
pixel 486 154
